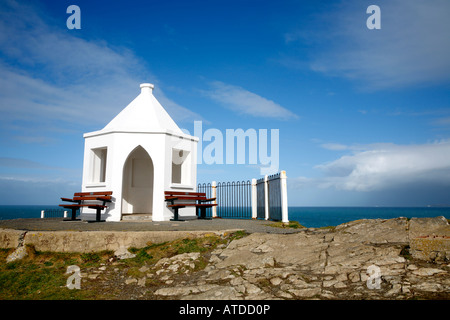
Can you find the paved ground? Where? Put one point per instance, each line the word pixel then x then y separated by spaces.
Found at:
pixel 58 224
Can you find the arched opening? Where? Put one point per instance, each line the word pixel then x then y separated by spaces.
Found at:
pixel 137 183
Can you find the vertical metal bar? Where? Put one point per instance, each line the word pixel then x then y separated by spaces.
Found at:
pixel 214 195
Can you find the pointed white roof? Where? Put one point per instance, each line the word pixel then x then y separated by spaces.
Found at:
pixel 143 114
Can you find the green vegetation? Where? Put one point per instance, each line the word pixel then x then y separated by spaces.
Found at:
pixel 405 252
pixel 331 228
pixel 155 251
pixel 291 224
pixel 42 275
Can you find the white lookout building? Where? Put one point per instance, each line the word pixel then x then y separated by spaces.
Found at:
pixel 140 154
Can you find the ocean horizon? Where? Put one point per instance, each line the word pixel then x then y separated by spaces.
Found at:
pixel 312 217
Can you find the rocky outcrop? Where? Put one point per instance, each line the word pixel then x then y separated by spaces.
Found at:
pixel 365 259
pixel 429 239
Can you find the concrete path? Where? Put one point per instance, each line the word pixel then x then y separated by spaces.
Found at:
pixel 58 224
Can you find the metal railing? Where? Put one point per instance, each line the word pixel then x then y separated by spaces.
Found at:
pixel 264 198
pixel 55 213
pixel 206 188
pixel 234 199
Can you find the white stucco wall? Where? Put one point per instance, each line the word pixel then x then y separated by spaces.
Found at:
pixel 159 147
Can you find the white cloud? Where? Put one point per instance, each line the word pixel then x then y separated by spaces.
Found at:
pixel 334 146
pixel 51 74
pixel 383 174
pixel 243 101
pixel 411 48
pixel 387 166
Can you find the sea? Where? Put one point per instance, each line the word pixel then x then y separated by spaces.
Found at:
pixel 311 217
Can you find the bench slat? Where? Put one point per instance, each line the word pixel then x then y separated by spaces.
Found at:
pixel 68 199
pixel 83 205
pixel 101 198
pixel 199 198
pixel 189 198
pixel 89 197
pixel 106 193
pixel 193 204
pixel 182 193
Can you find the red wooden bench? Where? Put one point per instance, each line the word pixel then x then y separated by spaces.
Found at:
pixel 180 199
pixel 92 200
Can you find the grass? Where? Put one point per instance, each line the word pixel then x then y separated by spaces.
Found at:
pixel 294 225
pixel 291 224
pixel 405 253
pixel 42 275
pixel 331 228
pixel 38 276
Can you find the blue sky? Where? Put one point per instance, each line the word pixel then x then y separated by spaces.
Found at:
pixel 363 115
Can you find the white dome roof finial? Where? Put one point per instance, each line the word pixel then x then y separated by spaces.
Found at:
pixel 147 87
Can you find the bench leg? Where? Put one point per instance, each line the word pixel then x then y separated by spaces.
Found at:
pixel 202 214
pixel 73 216
pixel 98 215
pixel 74 213
pixel 175 214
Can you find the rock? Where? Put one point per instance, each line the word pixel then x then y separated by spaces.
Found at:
pixel 373 231
pixel 340 285
pixel 19 253
pixel 396 289
pixel 264 248
pixel 428 286
pixel 307 264
pixel 219 275
pixel 141 282
pixel 251 288
pixel 183 291
pixel 354 276
pixel 144 269
pixel 431 248
pixel 427 272
pixel 123 253
pixel 283 294
pixel 419 227
pixel 130 281
pixel 342 277
pixel 306 293
pixel 329 283
pixel 275 281
pixel 430 239
pixel 216 293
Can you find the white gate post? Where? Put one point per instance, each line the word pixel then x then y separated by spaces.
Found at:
pixel 254 201
pixel 284 201
pixel 266 197
pixel 214 195
pixel 42 214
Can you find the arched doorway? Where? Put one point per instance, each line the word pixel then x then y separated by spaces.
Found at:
pixel 137 183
